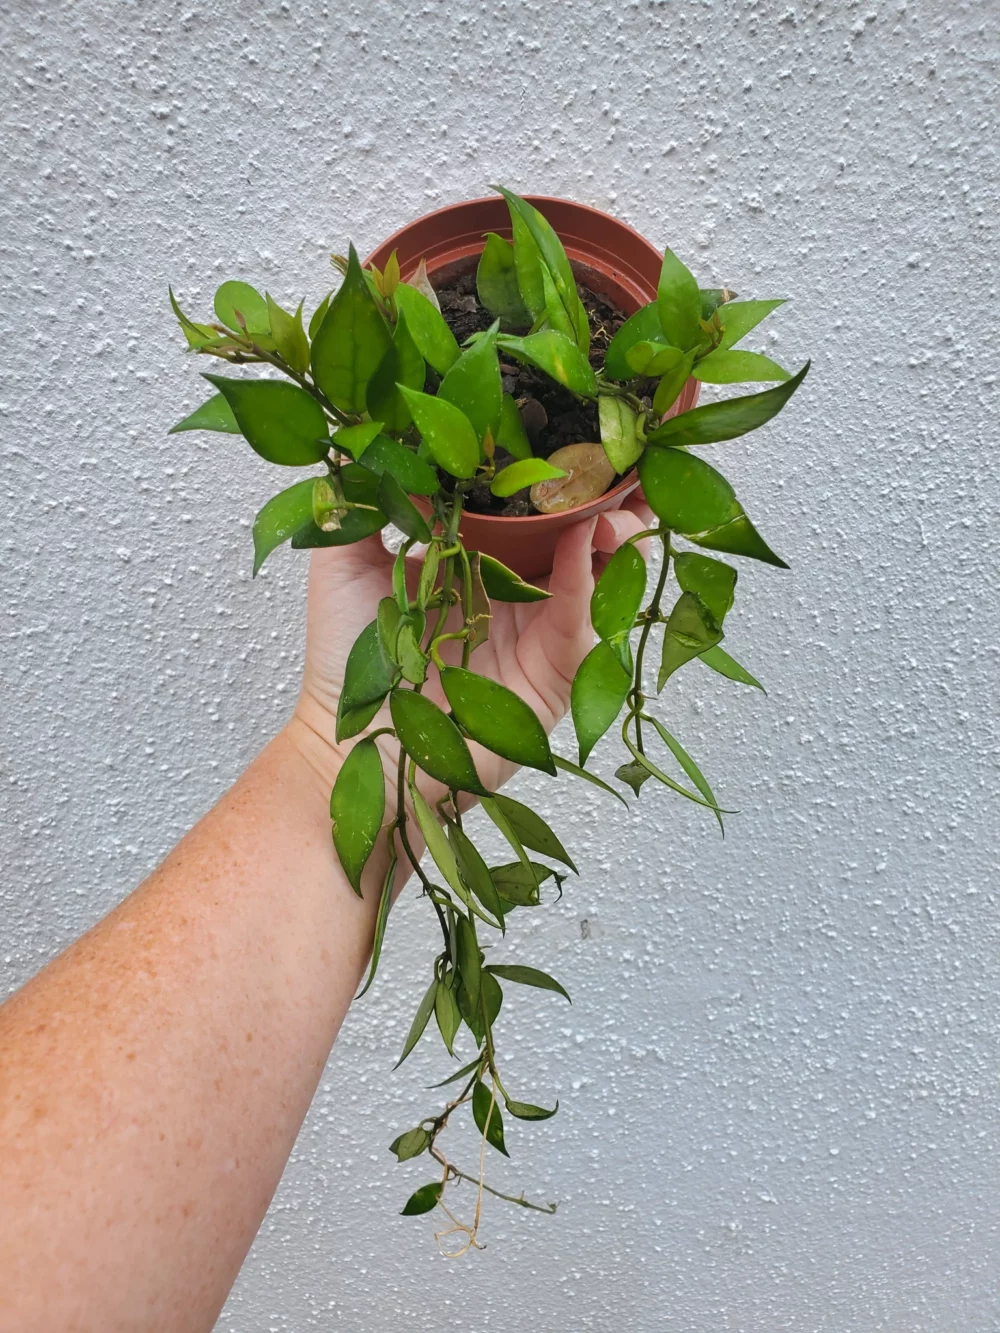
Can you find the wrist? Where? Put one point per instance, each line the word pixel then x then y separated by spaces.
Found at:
pixel 310 732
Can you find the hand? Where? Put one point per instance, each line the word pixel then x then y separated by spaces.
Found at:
pixel 534 648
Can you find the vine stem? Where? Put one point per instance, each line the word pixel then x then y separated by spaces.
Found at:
pixel 636 696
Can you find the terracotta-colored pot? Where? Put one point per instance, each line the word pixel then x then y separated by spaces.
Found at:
pixel 610 258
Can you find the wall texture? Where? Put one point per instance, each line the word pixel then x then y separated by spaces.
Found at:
pixel 778 1081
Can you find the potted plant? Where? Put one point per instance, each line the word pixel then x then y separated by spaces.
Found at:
pixel 478 384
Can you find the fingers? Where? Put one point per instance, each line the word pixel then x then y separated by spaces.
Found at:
pixel 636 504
pixel 571 582
pixel 613 529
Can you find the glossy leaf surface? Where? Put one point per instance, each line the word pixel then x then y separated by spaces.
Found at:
pixel 689 631
pixel 420 1021
pixel 350 342
pixel 617 599
pixel 431 738
pixel 679 303
pixel 473 384
pixel 400 364
pixel 357 807
pixel 280 421
pixel 712 580
pixel 240 296
pixel 557 355
pixel 496 282
pixel 422 1200
pixel 497 718
pixel 289 336
pixel 400 509
pixel 643 326
pixel 503 585
pixel 428 328
pixel 618 432
pixel 368 677
pixel 360 488
pixel 216 414
pixel 416 476
pixel 282 516
pixel 528 976
pixel 598 692
pixel 512 435
pixel 531 829
pixel 447 432
pixel 685 492
pixel 726 367
pixel 486 1114
pixel 716 422
pixel 526 472
pixel 727 666
pixel 739 317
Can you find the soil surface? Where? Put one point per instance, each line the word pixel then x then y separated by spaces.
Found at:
pixel 552 416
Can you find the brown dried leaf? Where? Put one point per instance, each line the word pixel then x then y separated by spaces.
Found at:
pixel 588 475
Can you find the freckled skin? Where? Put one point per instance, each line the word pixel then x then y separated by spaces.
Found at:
pixel 154 1076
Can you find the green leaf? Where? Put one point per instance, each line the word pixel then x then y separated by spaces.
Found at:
pixel 428 328
pixel 512 435
pixel 216 414
pixel 679 302
pixel 413 661
pixel 480 611
pixel 240 296
pixel 689 631
pixel 475 872
pixel 422 1200
pixel 431 738
pixel 289 336
pixel 633 774
pixel 459 1073
pixel 486 1114
pixel 685 492
pixel 689 766
pixel 618 432
pixel 447 1015
pixel 643 326
pixel 197 335
pixel 492 996
pixel 516 476
pixel 531 830
pixel 554 258
pixel 282 516
pixel 739 317
pixel 447 432
pixel 385 455
pixel 410 1144
pixel 401 364
pixel 388 620
pixel 420 1020
pixel 652 357
pixel 616 600
pixel 527 976
pixel 555 354
pixel 723 367
pixel 350 342
pixel 400 509
pixel 727 420
pixel 556 314
pixel 670 386
pixel 368 678
pixel 503 585
pixel 497 718
pixel 360 488
pixel 568 767
pixel 496 282
pixel 438 845
pixel 355 440
pixel 714 297
pixel 727 666
pixel 473 384
pixel 281 422
pixel 319 314
pixel 469 959
pixel 357 807
pixel 517 883
pixel 528 267
pixel 739 537
pixel 599 689
pixel 381 919
pixel 525 1110
pixel 643 762
pixel 712 580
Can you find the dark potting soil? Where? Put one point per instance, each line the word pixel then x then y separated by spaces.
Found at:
pixel 552 416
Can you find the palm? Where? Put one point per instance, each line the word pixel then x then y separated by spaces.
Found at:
pixel 534 648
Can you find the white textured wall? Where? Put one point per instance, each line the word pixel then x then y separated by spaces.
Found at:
pixel 779 1078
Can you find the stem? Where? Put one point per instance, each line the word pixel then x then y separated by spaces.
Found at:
pixel 456 1174
pixel 636 696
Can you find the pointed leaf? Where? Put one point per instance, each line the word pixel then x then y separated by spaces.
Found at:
pixel 525 1111
pixel 503 585
pixel 527 976
pixel 385 902
pixel 527 266
pixel 216 414
pixel 410 1144
pixel 475 872
pixel 486 1114
pixel 689 631
pixel 240 296
pixel 739 317
pixel 643 326
pixel 618 432
pixel 739 537
pixel 473 384
pixel 497 718
pixel 357 807
pixel 420 1020
pixel 438 846
pixel 517 883
pixel 446 1013
pixel 723 367
pixel 496 282
pixel 568 767
pixel 360 488
pixel 447 432
pixel 685 492
pixel 679 302
pixel 469 960
pixel 355 440
pixel 555 354
pixel 512 435
pixel 727 666
pixel 714 297
pixel 422 1200
pixel 633 774
pixel 431 738
pixel 197 335
pixel 599 689
pixel 652 357
pixel 689 766
pixel 289 336
pixel 386 455
pixel 554 258
pixel 282 516
pixel 428 328
pixel 281 422
pixel 368 678
pixel 527 472
pixel 459 1073
pixel 319 314
pixel 712 580
pixel 616 600
pixel 671 385
pixel 727 420
pixel 401 364
pixel 400 509
pixel 531 830
pixel 350 342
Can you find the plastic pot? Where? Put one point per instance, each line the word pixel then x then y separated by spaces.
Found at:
pixel 607 256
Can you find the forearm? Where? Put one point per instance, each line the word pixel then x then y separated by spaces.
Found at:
pixel 153 1078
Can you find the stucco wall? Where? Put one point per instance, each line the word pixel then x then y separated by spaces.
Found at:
pixel 779 1078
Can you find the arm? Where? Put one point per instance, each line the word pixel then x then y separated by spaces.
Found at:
pixel 154 1076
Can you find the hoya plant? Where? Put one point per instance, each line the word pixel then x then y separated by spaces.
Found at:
pixel 393 421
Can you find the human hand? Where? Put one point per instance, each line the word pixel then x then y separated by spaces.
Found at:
pixel 534 648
